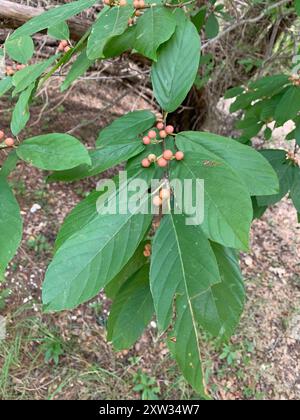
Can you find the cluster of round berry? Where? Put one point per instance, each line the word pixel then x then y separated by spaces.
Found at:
pixel 147 250
pixel 64 46
pixel 164 195
pixel 291 156
pixel 295 79
pixel 11 70
pixel 163 132
pixel 8 141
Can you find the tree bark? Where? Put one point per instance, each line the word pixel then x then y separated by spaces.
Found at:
pixel 13 15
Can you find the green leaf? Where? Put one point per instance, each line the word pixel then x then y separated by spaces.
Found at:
pixel 249 165
pixel 79 217
pixel 227 204
pixel 52 17
pixel 198 19
pixel 91 258
pixel 102 159
pixel 297 7
pixel 137 261
pixel 212 26
pixel 53 152
pixel 5 85
pixel 9 164
pixel 128 127
pixel 233 92
pixel 154 27
pixel 220 307
pixel 284 171
pixel 295 189
pixel 185 257
pixel 59 31
pixel 79 67
pixel 289 105
pixel 20 49
pixel 24 78
pixel 175 71
pixel 121 43
pixel 131 311
pixel 110 23
pixel 21 114
pixel 10 225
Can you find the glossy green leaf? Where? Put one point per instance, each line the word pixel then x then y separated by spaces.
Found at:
pixel 21 114
pixel 153 28
pixel 184 256
pixel 20 49
pixel 88 260
pixel 53 152
pixel 24 78
pixel 249 165
pixel 227 204
pixel 110 23
pixel 52 17
pixel 131 311
pixel 59 31
pixel 175 71
pixel 10 225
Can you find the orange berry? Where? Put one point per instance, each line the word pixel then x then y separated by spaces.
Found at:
pixel 64 43
pixel 147 253
pixel 66 49
pixel 168 154
pixel 123 3
pixel 9 142
pixel 2 135
pixel 10 71
pixel 148 247
pixel 165 194
pixel 163 134
pixel 152 157
pixel 160 125
pixel 162 162
pixel 152 134
pixel 146 163
pixel 179 155
pixel 146 140
pixel 138 13
pixel 142 4
pixel 60 47
pixel 136 4
pixel 157 201
pixel 20 67
pixel 107 2
pixel 169 129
